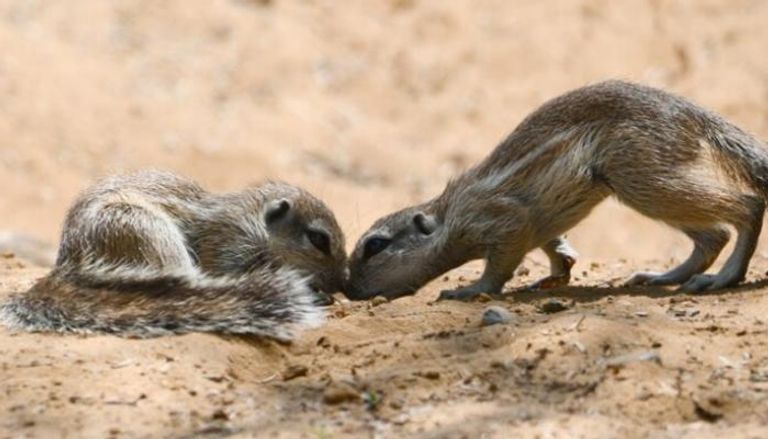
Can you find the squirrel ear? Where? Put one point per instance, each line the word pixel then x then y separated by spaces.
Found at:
pixel 425 224
pixel 276 210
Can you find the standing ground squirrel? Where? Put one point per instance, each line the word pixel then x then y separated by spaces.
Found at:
pixel 152 253
pixel 658 153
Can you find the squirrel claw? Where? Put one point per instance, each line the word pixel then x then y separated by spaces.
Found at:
pixel 458 294
pixel 323 299
pixel 550 282
pixel 702 282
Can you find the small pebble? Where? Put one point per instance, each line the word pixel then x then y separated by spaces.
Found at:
pixel 496 315
pixel 337 393
pixel 220 415
pixel 379 300
pixel 401 419
pixel 429 374
pixel 483 298
pixel 295 371
pixel 553 306
pixel 635 357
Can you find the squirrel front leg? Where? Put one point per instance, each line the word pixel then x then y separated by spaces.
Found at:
pixel 500 266
pixel 562 257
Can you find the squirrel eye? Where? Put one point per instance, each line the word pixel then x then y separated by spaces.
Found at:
pixel 375 246
pixel 320 240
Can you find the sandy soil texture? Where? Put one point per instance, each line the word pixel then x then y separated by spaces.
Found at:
pixel 373 105
pixel 590 360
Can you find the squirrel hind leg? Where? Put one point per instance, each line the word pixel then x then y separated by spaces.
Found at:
pixel 735 268
pixel 707 245
pixel 692 199
pixel 129 233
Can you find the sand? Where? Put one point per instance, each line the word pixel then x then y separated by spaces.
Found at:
pixel 374 105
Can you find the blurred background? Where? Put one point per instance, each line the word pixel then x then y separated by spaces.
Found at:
pixel 370 104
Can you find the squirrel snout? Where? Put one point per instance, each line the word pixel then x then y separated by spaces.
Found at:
pixel 353 291
pixel 330 283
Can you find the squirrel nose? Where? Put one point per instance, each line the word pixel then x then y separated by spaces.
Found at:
pixel 353 292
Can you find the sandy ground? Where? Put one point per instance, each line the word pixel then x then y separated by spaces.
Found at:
pixel 373 106
pixel 614 362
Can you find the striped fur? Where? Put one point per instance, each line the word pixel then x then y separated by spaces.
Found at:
pixel 268 302
pixel 152 254
pixel 658 153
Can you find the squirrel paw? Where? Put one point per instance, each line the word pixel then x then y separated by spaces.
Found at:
pixel 647 278
pixel 697 283
pixel 471 291
pixel 458 294
pixel 550 282
pixel 323 299
pixel 709 282
pixel 657 279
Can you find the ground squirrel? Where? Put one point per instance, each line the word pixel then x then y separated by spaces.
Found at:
pixel 153 253
pixel 656 152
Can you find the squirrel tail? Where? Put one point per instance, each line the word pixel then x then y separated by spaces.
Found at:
pixel 749 155
pixel 142 303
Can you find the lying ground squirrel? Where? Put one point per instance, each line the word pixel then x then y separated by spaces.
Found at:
pixel 657 153
pixel 153 253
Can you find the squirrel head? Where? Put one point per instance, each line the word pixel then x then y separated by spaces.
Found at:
pixel 274 224
pixel 304 234
pixel 405 250
pixel 396 256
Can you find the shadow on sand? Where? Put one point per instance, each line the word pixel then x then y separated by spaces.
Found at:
pixel 586 294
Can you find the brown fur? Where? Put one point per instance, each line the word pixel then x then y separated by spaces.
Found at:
pixel 153 253
pixel 658 153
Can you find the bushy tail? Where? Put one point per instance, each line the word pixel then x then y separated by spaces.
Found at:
pixel 748 154
pixel 271 302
